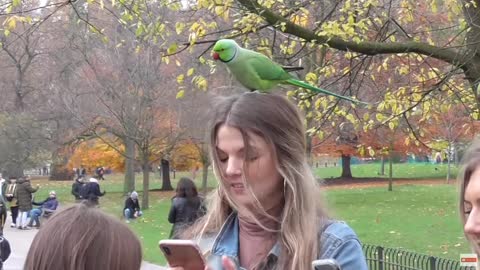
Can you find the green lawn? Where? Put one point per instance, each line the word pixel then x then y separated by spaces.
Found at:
pixel 402 170
pixel 414 217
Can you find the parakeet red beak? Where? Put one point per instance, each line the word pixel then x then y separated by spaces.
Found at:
pixel 216 56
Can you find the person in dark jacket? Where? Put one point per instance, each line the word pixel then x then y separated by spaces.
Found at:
pixel 132 207
pixel 49 205
pixel 24 196
pixel 186 207
pixel 92 191
pixel 77 188
pixel 3 202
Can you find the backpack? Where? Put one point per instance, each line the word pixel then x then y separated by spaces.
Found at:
pixel 11 192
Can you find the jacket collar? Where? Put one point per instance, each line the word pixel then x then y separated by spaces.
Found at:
pixel 227 241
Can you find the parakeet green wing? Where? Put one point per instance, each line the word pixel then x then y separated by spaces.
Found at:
pixel 267 69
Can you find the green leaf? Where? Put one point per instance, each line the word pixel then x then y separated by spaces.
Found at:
pixel 16 3
pixel 180 94
pixel 311 77
pixel 391 125
pixel 180 78
pixel 140 30
pixel 179 27
pixel 190 72
pixel 172 49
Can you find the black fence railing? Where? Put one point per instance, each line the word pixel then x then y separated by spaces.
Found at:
pixel 381 258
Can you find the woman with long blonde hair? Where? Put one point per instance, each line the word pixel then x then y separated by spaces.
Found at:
pixel 267 212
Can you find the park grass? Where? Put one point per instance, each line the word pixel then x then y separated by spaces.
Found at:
pixel 419 218
pixel 400 170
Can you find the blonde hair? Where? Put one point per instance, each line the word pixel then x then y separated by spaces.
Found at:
pixel 470 163
pixel 279 123
pixel 80 238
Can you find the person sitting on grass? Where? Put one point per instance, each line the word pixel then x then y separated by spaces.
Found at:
pixel 47 207
pixel 132 207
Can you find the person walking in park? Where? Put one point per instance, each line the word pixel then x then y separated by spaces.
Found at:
pixel 100 172
pixel 84 238
pixel 186 207
pixel 268 212
pixel 24 196
pixel 11 197
pixel 131 210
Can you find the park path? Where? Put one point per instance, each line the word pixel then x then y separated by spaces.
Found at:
pixel 20 241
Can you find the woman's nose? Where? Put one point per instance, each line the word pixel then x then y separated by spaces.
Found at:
pixel 234 166
pixel 472 225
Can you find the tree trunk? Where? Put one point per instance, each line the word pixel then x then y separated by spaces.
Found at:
pixel 346 170
pixel 129 181
pixel 390 173
pixel 146 180
pixel 382 166
pixel 166 183
pixel 448 161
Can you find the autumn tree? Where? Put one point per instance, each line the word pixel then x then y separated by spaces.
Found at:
pixel 450 125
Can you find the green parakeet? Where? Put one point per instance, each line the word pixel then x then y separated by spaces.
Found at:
pixel 255 71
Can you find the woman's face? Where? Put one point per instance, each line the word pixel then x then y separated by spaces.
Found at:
pixel 261 173
pixel 472 207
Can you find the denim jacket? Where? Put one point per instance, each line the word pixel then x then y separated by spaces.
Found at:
pixel 337 241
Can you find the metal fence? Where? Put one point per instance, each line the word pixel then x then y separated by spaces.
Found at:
pixel 381 258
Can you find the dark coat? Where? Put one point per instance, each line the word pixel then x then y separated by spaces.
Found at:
pixel 184 212
pixel 4 185
pixel 132 205
pixel 93 192
pixel 24 195
pixel 76 189
pixel 48 203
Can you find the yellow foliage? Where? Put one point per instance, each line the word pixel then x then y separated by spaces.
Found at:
pixel 186 157
pixel 96 153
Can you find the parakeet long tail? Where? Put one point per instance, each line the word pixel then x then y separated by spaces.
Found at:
pixel 319 90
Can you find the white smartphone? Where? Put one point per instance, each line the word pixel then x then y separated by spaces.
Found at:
pixel 182 253
pixel 325 264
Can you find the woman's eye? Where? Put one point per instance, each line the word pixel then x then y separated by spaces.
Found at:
pixel 223 159
pixel 252 158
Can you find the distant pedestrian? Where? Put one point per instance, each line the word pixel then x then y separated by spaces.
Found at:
pixel 100 172
pixel 11 197
pixel 77 189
